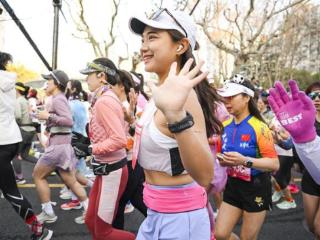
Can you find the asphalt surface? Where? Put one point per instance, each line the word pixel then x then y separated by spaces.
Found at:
pixel 279 224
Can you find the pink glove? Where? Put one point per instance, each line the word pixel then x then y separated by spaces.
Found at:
pixel 296 113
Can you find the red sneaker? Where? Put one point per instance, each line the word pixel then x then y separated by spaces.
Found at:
pixel 74 204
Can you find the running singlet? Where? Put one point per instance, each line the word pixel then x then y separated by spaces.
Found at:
pixel 251 138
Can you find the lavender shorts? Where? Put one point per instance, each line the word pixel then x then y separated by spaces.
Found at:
pixel 59 156
pixel 193 225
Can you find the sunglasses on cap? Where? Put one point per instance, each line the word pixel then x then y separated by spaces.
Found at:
pixel 96 67
pixel 157 13
pixel 314 95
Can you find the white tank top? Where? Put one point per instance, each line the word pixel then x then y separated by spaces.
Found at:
pixel 157 151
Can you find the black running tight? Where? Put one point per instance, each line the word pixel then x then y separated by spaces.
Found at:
pixel 132 193
pixel 8 183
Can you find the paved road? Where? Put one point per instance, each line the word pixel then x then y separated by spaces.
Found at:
pixel 280 225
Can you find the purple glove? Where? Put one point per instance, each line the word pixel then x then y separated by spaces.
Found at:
pixel 296 114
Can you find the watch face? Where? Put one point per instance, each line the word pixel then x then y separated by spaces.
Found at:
pixel 249 164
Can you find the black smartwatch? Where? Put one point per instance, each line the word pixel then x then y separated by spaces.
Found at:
pixel 182 125
pixel 248 163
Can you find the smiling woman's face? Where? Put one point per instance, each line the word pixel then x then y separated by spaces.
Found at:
pixel 158 50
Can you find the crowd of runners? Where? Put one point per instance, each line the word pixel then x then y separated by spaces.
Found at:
pixel 164 153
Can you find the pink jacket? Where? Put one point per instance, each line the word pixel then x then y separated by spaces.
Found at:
pixel 107 129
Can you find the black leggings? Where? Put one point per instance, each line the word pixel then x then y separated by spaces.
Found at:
pixel 8 183
pixel 283 175
pixel 24 148
pixel 133 192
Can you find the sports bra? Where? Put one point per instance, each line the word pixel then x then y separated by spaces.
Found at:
pixel 157 151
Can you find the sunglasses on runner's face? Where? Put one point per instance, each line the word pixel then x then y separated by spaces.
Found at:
pixel 157 13
pixel 314 95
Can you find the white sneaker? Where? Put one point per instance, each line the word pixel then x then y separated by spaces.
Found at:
pixel 66 195
pixel 285 205
pixel 44 217
pixel 129 208
pixel 276 196
pixel 81 219
pixel 64 189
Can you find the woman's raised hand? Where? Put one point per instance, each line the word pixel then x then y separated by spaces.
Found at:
pixel 296 113
pixel 170 97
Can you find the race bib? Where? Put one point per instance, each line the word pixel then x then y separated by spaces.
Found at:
pixel 240 172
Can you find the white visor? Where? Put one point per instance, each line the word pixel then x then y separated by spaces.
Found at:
pixel 231 89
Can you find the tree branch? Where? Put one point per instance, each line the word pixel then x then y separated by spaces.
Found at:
pixel 251 9
pixel 267 17
pixel 84 27
pixel 110 32
pixel 218 44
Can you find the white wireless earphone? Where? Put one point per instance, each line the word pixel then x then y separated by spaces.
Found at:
pixel 180 48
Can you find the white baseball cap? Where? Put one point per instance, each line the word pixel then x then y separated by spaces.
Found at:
pixel 167 19
pixel 235 86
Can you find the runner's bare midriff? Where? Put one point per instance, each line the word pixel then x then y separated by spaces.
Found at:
pixel 163 179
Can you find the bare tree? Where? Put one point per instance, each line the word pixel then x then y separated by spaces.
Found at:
pixel 284 53
pixel 247 31
pixel 100 48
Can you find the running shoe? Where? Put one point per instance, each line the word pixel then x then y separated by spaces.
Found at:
pixel 276 196
pixel 44 217
pixel 20 181
pixel 66 195
pixel 129 208
pixel 293 188
pixel 81 219
pixel 73 204
pixel 45 235
pixel 64 189
pixel 285 205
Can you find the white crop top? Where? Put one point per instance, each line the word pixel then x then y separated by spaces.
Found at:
pixel 157 151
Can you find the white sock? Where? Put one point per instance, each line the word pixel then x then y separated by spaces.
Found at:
pixel 73 197
pixel 85 204
pixel 89 183
pixel 47 207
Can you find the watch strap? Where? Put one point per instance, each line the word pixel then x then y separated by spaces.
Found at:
pixel 185 123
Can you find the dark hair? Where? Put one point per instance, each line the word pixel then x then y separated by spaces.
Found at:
pixel 126 81
pixel 312 86
pixel 252 105
pixel 60 86
pixel 25 92
pixel 111 79
pixel 139 87
pixel 4 59
pixel 79 93
pixel 207 95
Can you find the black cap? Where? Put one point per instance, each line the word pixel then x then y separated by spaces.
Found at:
pixel 60 76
